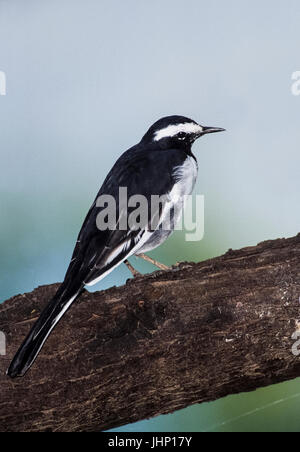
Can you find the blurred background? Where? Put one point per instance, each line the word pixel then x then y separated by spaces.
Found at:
pixel 85 79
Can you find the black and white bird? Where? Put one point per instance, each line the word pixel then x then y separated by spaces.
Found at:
pixel 161 164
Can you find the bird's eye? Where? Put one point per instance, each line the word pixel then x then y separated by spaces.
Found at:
pixel 181 136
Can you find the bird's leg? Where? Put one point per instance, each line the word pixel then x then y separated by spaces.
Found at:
pixel 153 261
pixel 133 271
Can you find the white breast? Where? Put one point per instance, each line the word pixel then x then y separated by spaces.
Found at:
pixel 185 176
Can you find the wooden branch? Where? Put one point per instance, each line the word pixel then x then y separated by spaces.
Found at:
pixel 162 342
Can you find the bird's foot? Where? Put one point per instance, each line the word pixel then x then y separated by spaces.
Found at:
pixel 154 262
pixel 132 270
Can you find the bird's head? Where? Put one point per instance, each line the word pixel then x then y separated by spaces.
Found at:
pixel 177 132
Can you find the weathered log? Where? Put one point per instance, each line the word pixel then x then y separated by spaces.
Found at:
pixel 160 343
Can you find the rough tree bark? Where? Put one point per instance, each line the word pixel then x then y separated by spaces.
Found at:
pixel 162 342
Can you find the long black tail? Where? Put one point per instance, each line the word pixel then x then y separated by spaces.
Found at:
pixel 35 340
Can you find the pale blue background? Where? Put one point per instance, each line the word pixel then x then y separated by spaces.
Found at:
pixel 84 81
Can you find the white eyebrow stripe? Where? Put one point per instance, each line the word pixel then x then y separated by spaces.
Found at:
pixel 174 129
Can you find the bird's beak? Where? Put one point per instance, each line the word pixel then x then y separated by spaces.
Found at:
pixel 206 130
